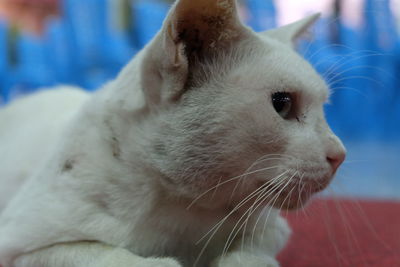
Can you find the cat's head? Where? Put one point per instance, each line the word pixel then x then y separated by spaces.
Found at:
pixel 236 112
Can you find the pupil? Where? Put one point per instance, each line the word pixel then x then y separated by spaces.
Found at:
pixel 280 100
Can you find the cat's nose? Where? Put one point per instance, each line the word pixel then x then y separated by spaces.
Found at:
pixel 336 161
pixel 336 153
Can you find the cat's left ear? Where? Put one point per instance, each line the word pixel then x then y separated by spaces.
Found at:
pixel 290 33
pixel 194 31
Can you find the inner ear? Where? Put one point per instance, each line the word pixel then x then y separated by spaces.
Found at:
pixel 205 25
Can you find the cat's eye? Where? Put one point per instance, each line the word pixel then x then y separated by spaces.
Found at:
pixel 283 103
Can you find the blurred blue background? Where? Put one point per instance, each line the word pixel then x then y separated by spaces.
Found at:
pixel 356 48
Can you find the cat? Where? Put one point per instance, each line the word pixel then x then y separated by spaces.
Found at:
pixel 185 159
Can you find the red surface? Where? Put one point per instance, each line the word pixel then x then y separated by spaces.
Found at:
pixel 332 233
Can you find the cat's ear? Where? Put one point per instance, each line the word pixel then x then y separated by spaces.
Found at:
pixel 290 33
pixel 191 32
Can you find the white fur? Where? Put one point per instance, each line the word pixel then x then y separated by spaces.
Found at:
pixel 23 123
pixel 117 179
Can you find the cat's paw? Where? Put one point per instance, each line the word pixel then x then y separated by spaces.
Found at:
pixel 282 233
pixel 123 258
pixel 241 259
pixel 164 262
pixel 273 238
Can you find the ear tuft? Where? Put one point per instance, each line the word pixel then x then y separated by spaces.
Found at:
pixel 290 33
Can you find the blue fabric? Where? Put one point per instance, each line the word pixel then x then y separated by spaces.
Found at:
pixel 148 16
pixel 58 44
pixel 262 14
pixel 3 62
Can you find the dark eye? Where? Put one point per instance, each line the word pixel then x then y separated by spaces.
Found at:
pixel 283 103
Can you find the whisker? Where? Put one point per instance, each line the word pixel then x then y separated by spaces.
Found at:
pixel 303 210
pixel 264 197
pixel 235 230
pixel 339 74
pixel 241 203
pixel 337 88
pixel 217 226
pixel 310 58
pixel 216 189
pixel 359 77
pixel 248 169
pixel 326 219
pixel 370 226
pixel 228 181
pixel 249 212
pixel 299 204
pixel 346 60
pixel 267 217
pixel 266 220
pixel 349 231
pixel 365 219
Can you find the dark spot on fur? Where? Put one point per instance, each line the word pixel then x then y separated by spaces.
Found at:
pixel 101 200
pixel 116 148
pixel 68 165
pixel 115 145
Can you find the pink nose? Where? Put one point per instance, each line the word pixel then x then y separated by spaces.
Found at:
pixel 335 152
pixel 336 160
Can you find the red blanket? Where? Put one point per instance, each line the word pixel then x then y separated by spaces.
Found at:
pixel 344 233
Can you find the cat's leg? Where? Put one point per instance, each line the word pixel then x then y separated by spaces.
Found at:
pixel 88 254
pixel 259 248
pixel 243 258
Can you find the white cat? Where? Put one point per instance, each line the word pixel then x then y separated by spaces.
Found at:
pixel 184 160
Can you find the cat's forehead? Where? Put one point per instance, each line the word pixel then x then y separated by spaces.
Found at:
pixel 278 67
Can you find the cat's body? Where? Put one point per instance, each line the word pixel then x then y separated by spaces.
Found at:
pixel 22 124
pixel 147 166
pixel 148 223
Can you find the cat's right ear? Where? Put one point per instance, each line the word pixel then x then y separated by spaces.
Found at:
pixel 193 30
pixel 290 33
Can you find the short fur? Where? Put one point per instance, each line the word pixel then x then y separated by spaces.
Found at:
pixel 182 160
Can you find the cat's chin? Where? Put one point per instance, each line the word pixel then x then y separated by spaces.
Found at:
pixel 296 195
pixel 295 202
